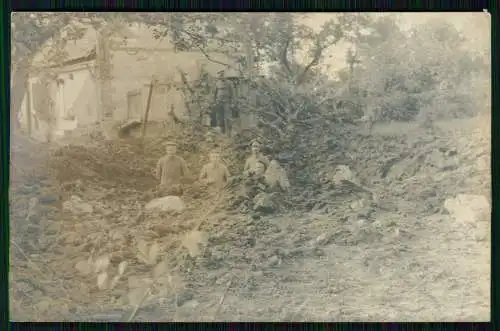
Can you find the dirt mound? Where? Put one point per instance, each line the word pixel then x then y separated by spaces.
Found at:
pixel 115 179
pixel 177 261
pixel 108 165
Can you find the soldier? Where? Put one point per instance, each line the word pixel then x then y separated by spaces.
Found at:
pixel 254 182
pixel 170 169
pixel 276 177
pixel 214 173
pixel 259 169
pixel 252 162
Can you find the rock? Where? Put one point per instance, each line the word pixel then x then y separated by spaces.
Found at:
pixel 343 173
pixel 478 236
pixel 84 267
pixel 25 190
pixel 483 164
pixel 323 239
pixel 467 208
pixel 224 279
pixel 442 160
pixel 256 217
pixel 365 212
pixel 362 222
pixel 43 306
pixel 76 205
pixel 33 208
pixel 263 202
pixel 319 206
pixel 357 204
pixel 184 297
pixel 191 304
pixel 318 252
pixel 139 218
pixel 163 230
pixel 428 192
pixel 401 168
pixel 168 203
pixel 48 199
pixel 273 261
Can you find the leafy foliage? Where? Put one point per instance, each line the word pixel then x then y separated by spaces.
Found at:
pixel 253 39
pixel 404 75
pixel 392 73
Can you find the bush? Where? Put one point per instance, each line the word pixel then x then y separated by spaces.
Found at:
pixel 428 69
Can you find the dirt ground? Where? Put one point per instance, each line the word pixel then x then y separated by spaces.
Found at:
pixel 405 259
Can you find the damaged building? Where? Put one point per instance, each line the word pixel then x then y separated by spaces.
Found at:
pixel 105 80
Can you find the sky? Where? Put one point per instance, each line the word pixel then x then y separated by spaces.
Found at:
pixel 475 26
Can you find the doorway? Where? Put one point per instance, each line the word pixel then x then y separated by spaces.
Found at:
pixel 134 103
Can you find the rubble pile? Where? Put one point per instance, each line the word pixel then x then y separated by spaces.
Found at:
pixel 430 167
pixel 97 203
pixel 89 201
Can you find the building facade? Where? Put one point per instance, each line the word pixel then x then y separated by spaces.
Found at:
pixel 107 80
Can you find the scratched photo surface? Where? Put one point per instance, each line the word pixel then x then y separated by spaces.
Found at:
pixel 250 167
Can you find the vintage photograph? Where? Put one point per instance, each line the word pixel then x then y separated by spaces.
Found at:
pixel 298 167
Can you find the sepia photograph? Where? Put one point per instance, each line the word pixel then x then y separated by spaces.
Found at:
pixel 250 167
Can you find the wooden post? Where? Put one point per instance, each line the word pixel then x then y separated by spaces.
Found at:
pixel 29 105
pixel 352 60
pixel 146 112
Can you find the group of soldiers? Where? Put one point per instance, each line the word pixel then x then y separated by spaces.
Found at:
pixel 172 169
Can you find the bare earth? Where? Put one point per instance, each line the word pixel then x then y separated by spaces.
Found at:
pixel 326 264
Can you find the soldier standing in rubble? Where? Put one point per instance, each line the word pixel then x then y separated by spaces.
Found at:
pixel 252 163
pixel 253 183
pixel 214 173
pixel 170 170
pixel 253 178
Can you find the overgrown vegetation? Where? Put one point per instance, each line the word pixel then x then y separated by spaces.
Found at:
pixel 395 74
pixel 111 252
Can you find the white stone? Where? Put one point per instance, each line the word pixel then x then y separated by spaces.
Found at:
pixel 276 176
pixel 263 201
pixel 466 208
pixel 343 173
pixel 84 268
pixel 168 203
pixel 483 164
pixel 322 239
pixel 77 206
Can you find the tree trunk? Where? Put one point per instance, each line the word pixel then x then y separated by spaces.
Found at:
pixel 29 110
pixel 18 91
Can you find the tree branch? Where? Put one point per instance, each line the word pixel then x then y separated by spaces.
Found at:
pixel 272 125
pixel 209 58
pixel 284 57
pixel 185 80
pixel 320 39
pixel 278 99
pixel 294 115
pixel 314 61
pixel 275 115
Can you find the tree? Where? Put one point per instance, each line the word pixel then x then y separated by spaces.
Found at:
pixel 251 39
pixel 29 32
pixel 423 72
pixel 247 39
pixel 32 32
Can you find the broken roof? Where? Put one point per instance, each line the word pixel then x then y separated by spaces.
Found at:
pixel 75 50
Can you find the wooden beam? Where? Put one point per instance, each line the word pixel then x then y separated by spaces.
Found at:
pixel 146 111
pixel 135 50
